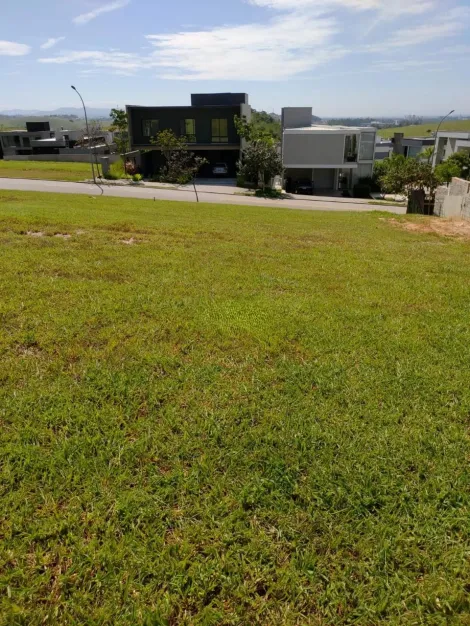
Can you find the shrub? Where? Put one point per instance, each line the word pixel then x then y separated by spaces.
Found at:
pixel 361 191
pixel 241 182
pixel 268 192
pixel 130 168
pixel 116 171
pixel 137 178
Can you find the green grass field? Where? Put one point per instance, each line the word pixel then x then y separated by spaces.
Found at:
pixel 235 416
pixel 45 170
pixel 422 130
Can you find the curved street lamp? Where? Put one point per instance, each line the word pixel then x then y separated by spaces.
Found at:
pixel 431 159
pixel 88 133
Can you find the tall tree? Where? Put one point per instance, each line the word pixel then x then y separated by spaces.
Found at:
pixel 181 165
pixel 120 127
pixel 260 161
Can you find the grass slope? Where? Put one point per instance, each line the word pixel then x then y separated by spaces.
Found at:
pixel 422 130
pixel 45 170
pixel 246 416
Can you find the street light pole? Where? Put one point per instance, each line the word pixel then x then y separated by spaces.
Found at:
pixel 437 133
pixel 88 133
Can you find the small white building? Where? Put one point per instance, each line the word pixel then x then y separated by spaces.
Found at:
pixel 332 157
pixel 448 143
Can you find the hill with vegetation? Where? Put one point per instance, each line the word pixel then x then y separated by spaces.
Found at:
pixel 18 122
pixel 267 122
pixel 425 130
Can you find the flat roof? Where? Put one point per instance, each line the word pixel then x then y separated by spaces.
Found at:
pixel 318 128
pixel 454 134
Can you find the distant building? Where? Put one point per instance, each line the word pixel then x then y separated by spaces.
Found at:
pixel 39 139
pixel 410 146
pixel 383 149
pixel 331 157
pixel 448 143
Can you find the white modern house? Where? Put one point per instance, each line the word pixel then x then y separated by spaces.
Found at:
pixel 332 157
pixel 448 143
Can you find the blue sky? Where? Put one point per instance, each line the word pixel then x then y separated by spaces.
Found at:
pixel 342 57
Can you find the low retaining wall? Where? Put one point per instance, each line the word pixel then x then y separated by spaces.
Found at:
pixel 62 158
pixel 453 200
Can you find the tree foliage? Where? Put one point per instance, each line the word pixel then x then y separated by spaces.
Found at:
pixel 121 130
pixel 181 165
pixel 461 162
pixel 446 171
pixel 260 161
pixel 267 123
pixel 402 175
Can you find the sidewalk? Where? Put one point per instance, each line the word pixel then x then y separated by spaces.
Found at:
pixel 143 192
pixel 233 190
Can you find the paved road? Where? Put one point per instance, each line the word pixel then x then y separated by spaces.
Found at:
pixel 143 193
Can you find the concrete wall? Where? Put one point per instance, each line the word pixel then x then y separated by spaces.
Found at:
pixel 296 117
pixel 60 158
pixel 323 179
pixel 454 200
pixel 311 149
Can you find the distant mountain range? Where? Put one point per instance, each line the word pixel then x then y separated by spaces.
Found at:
pixel 93 113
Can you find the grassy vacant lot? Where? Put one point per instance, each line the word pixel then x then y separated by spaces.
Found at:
pixel 421 130
pixel 243 416
pixel 45 170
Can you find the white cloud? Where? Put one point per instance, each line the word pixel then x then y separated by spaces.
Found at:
pixel 99 59
pixel 387 8
pixel 456 49
pixel 12 49
pixel 452 23
pixel 302 35
pixel 281 48
pixel 84 18
pixel 51 42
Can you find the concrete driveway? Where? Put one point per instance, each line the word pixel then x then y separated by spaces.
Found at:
pixel 187 195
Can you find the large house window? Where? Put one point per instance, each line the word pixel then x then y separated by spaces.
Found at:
pixel 219 131
pixel 188 130
pixel 350 149
pixel 150 128
pixel 26 142
pixel 12 141
pixel 367 147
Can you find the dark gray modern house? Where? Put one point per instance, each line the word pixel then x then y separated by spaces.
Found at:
pixel 208 125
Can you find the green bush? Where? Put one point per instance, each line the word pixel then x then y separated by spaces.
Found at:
pixel 117 171
pixel 241 182
pixel 361 191
pixel 137 178
pixel 268 192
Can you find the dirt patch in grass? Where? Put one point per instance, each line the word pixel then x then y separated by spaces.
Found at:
pixel 63 235
pixel 35 233
pixel 128 242
pixel 439 226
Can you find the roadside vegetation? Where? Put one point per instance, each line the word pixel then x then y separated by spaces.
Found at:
pixel 45 170
pixel 228 415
